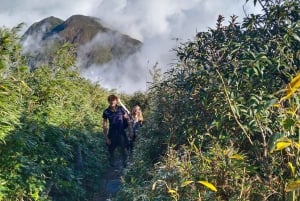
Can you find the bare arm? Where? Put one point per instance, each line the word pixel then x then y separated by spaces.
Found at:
pixel 104 126
pixel 105 130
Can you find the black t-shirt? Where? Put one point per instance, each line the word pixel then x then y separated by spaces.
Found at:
pixel 116 118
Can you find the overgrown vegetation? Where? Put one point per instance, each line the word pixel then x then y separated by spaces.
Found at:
pixel 224 122
pixel 51 145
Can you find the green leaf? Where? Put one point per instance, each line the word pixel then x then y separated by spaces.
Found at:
pixel 289 123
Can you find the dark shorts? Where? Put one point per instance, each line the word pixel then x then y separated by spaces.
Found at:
pixel 117 138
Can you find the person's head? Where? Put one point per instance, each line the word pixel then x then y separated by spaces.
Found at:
pixel 113 100
pixel 137 111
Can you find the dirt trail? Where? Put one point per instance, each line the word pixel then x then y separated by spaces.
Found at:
pixel 110 183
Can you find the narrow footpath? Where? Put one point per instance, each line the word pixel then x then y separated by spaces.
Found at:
pixel 110 183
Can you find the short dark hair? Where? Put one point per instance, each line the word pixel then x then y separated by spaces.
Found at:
pixel 112 98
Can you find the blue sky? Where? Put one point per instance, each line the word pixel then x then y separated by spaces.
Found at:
pixel 157 23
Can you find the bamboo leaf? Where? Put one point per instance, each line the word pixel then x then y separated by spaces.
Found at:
pixel 292 186
pixel 282 145
pixel 277 105
pixel 292 87
pixel 296 36
pixel 297 145
pixel 208 185
pixel 276 137
pixel 153 186
pixel 171 191
pixel 295 81
pixel 186 183
pixel 237 156
pixel 24 84
pixel 292 168
pixel 284 139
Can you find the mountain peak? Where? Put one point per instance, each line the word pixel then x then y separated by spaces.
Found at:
pixel 43 26
pixel 78 29
pixel 96 44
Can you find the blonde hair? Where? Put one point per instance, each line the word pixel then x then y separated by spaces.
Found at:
pixel 137 113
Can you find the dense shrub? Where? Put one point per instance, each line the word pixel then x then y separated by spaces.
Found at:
pixel 215 116
pixel 51 147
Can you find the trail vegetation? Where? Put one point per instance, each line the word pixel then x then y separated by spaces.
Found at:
pixel 51 148
pixel 221 124
pixel 224 120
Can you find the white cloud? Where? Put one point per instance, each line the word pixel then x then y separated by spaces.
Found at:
pixel 157 23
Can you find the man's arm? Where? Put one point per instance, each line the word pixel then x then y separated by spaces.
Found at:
pixel 105 130
pixel 104 126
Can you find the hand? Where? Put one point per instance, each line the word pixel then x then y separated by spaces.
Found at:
pixel 126 116
pixel 108 141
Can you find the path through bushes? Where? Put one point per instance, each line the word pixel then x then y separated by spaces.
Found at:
pixel 110 183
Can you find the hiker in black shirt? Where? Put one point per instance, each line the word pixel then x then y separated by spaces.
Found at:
pixel 115 135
